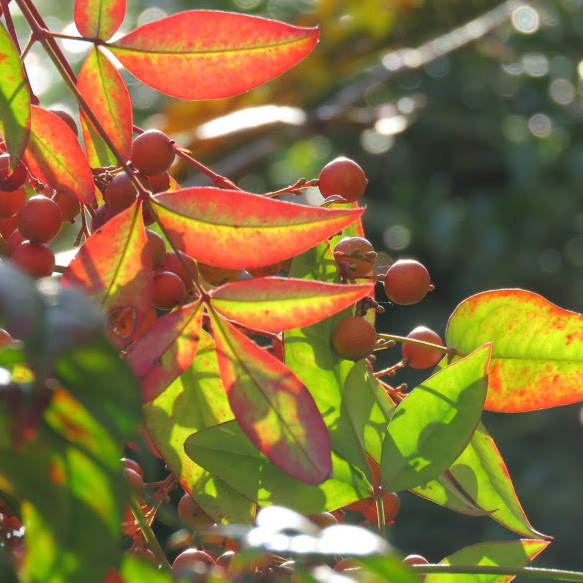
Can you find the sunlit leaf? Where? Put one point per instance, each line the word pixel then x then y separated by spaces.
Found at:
pixel 14 99
pixel 105 92
pixel 434 423
pixel 203 54
pixel 114 268
pixel 72 521
pixel 273 407
pixel 516 554
pixel 194 401
pixel 54 155
pixel 275 304
pixel 389 568
pixel 134 569
pixel 537 352
pixel 166 349
pixel 238 229
pixel 480 472
pixel 99 18
pixel 226 452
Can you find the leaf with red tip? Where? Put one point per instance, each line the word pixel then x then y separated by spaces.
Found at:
pixel 166 349
pixel 55 156
pixel 204 54
pixel 105 92
pixel 99 18
pixel 512 554
pixel 194 401
pixel 114 268
pixel 537 353
pixel 272 406
pixel 14 98
pixel 274 304
pixel 236 229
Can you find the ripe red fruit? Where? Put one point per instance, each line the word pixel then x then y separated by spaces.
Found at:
pixel 160 182
pixel 344 177
pixel 391 507
pixel 407 282
pixel 37 259
pixel 152 152
pixel 133 465
pixel 15 239
pixel 191 559
pixel 421 357
pixel 169 290
pixel 69 206
pixel 8 225
pixel 192 514
pixel 120 193
pixel 102 214
pixel 11 202
pixel 324 519
pixel 355 256
pixel 218 275
pixel 415 560
pixel 15 180
pixel 157 247
pixel 39 219
pixel 133 478
pixel 354 338
pixel 172 262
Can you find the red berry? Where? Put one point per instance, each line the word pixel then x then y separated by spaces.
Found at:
pixel 39 219
pixel 133 465
pixel 192 559
pixel 157 247
pixel 4 166
pixel 11 202
pixel 415 560
pixel 15 180
pixel 391 507
pixel 120 193
pixel 324 519
pixel 169 290
pixel 160 182
pixel 175 263
pixel 344 177
pixel 8 225
pixel 102 214
pixel 421 357
pixel 355 256
pixel 407 282
pixel 15 239
pixel 152 152
pixel 192 514
pixel 354 338
pixel 133 478
pixel 69 206
pixel 37 259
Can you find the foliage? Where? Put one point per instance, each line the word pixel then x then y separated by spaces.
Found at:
pixel 237 386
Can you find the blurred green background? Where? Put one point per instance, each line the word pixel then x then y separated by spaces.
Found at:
pixel 466 116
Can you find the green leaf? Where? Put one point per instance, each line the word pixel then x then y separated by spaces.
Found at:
pixel 434 423
pixel 390 569
pixel 72 493
pixel 194 401
pixel 492 554
pixel 226 452
pixel 14 99
pixel 481 474
pixel 134 569
pixel 537 352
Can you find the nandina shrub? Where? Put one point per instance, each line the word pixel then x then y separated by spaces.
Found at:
pixel 236 385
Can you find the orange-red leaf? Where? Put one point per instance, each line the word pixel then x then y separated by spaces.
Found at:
pixel 275 304
pixel 204 54
pixel 272 406
pixel 537 354
pixel 55 156
pixel 230 228
pixel 105 92
pixel 99 18
pixel 166 349
pixel 114 268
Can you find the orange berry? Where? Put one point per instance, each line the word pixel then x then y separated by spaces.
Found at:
pixel 391 507
pixel 169 290
pixel 344 177
pixel 157 248
pixel 407 282
pixel 354 338
pixel 39 219
pixel 152 152
pixel 415 560
pixel 175 263
pixel 192 514
pixel 421 357
pixel 355 256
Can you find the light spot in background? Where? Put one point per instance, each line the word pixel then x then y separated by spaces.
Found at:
pixel 375 143
pixel 514 69
pixel 73 47
pixel 150 15
pixel 535 64
pixel 391 125
pixel 5 376
pixel 143 97
pixel 540 125
pixel 550 261
pixel 406 105
pixel 40 73
pixel 397 237
pixel 438 68
pixel 562 91
pixel 525 19
pixel 313 196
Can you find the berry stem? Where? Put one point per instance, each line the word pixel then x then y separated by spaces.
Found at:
pixel 148 533
pixel 450 351
pixel 532 572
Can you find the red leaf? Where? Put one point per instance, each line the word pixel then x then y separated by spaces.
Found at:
pixel 166 349
pixel 105 92
pixel 272 406
pixel 235 229
pixel 54 155
pixel 275 304
pixel 537 354
pixel 99 18
pixel 204 54
pixel 114 268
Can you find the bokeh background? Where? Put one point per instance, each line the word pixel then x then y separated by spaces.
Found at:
pixel 466 116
